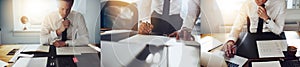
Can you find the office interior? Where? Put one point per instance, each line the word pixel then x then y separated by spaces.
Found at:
pixel 14 36
pixel 118 36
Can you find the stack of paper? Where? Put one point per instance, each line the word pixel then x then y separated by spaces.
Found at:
pixel 208 43
pixel 74 50
pixel 29 48
pixel 31 62
pixel 36 48
pixel 271 48
pixel 266 64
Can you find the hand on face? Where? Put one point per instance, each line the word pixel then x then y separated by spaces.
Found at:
pixel 65 24
pixel 262 13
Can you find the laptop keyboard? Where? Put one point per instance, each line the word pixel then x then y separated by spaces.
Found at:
pixel 229 64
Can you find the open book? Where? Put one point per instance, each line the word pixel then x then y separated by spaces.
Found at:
pixel 29 49
pixel 35 48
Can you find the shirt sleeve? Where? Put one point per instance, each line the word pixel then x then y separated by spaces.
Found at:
pixel 145 10
pixel 275 25
pixel 47 34
pixel 80 36
pixel 192 14
pixel 238 24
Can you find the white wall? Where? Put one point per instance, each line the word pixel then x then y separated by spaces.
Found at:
pixel 11 37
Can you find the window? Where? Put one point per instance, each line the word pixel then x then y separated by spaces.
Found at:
pixel 36 10
pixel 293 4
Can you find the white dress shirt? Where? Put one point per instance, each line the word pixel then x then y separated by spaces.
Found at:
pixel 147 7
pixel 211 17
pixel 276 10
pixel 53 21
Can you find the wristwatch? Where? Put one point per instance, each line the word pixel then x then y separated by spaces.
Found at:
pixel 67 44
pixel 269 19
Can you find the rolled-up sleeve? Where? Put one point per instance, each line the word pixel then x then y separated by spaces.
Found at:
pixel 193 12
pixel 80 36
pixel 47 34
pixel 238 24
pixel 276 24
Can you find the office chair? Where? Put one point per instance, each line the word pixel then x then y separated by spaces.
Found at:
pixel 119 15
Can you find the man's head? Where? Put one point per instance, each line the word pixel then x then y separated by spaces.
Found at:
pixel 260 2
pixel 64 7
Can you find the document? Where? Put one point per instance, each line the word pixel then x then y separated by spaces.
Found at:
pixel 116 32
pixel 147 39
pixel 31 62
pixel 3 64
pixel 74 50
pixel 266 64
pixel 208 43
pixel 36 48
pixel 271 48
pixel 94 47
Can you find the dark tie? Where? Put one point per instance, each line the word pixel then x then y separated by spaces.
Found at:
pixel 260 23
pixel 166 8
pixel 64 34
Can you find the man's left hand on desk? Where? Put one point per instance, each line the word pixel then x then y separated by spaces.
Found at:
pixel 184 34
pixel 59 43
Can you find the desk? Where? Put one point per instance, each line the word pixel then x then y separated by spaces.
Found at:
pixel 289 35
pixel 4 49
pixel 85 60
pixel 134 54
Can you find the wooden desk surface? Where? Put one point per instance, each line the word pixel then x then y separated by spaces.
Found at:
pixel 4 49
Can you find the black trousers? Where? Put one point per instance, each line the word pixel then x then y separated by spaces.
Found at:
pixel 165 24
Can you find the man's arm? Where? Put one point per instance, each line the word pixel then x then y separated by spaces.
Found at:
pixel 144 21
pixel 47 34
pixel 145 10
pixel 238 23
pixel 192 13
pixel 229 46
pixel 81 37
pixel 189 20
pixel 276 24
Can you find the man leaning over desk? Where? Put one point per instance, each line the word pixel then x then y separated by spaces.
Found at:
pixel 60 27
pixel 262 15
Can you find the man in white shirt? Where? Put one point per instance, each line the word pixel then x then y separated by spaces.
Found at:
pixel 60 27
pixel 263 15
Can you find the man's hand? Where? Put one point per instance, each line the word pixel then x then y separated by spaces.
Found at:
pixel 59 43
pixel 175 34
pixel 183 34
pixel 229 49
pixel 145 28
pixel 262 13
pixel 65 24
